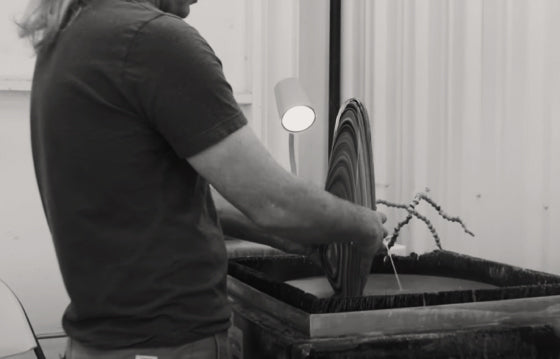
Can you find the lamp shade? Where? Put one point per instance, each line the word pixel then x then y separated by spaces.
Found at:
pixel 294 107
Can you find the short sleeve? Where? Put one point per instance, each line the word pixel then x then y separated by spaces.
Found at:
pixel 177 82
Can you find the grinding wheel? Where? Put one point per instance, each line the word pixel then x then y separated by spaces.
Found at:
pixel 351 177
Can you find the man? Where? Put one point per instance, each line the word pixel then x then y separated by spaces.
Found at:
pixel 131 120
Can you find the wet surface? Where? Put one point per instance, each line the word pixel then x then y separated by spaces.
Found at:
pixel 386 284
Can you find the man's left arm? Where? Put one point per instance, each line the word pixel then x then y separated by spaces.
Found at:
pixel 235 224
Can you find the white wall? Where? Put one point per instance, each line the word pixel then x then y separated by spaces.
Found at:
pixel 27 260
pixel 312 145
pixel 464 99
pixel 16 59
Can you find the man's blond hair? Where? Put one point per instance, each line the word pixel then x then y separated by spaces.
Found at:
pixel 43 19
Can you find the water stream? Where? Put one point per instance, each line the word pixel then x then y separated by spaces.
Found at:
pixel 385 242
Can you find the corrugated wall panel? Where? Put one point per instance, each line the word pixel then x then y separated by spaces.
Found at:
pixel 464 98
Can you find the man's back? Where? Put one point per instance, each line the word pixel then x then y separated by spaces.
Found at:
pixel 134 226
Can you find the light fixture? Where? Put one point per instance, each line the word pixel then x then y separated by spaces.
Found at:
pixel 295 110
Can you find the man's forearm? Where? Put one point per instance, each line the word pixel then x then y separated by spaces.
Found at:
pixel 286 206
pixel 236 224
pixel 307 214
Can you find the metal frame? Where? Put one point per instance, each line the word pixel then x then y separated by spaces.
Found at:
pixel 510 313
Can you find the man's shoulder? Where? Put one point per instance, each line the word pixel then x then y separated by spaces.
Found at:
pixel 132 21
pixel 171 31
pixel 138 14
pixel 166 25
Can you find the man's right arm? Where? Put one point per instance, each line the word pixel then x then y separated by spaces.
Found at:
pixel 166 81
pixel 243 171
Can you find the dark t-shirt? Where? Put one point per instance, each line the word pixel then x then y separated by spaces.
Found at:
pixel 125 94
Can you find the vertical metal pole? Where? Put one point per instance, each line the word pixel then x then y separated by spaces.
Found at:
pixel 293 166
pixel 334 65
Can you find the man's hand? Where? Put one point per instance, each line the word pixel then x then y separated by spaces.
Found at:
pixel 370 246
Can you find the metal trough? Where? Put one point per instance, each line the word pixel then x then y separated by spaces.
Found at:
pixel 519 299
